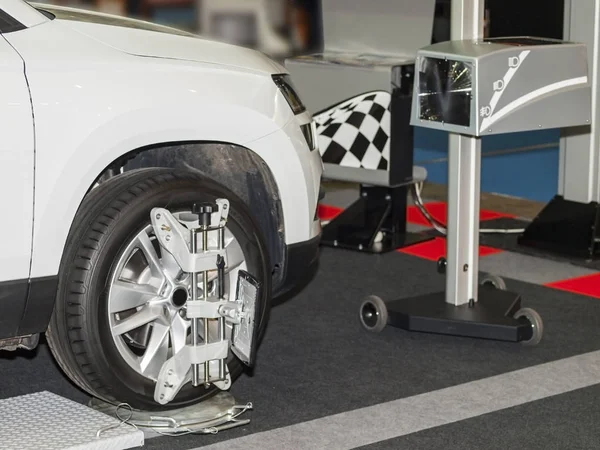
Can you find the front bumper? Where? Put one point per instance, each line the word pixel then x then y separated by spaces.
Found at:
pixel 302 262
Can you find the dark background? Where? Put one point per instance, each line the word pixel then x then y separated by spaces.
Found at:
pixel 541 18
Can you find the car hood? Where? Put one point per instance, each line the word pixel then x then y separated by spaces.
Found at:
pixel 146 39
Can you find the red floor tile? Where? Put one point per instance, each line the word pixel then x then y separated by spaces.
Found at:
pixel 438 211
pixel 414 216
pixel 436 248
pixel 586 285
pixel 326 212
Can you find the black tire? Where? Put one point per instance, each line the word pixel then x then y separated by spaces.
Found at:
pixel 373 314
pixel 78 333
pixel 494 282
pixel 536 322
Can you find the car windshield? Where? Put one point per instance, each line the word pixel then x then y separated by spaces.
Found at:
pixel 80 15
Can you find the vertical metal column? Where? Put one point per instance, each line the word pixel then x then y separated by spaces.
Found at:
pixel 579 170
pixel 194 325
pixel 464 167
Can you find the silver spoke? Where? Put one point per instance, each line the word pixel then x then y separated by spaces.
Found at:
pixel 179 329
pixel 144 316
pixel 235 255
pixel 170 265
pixel 125 295
pixel 145 244
pixel 156 350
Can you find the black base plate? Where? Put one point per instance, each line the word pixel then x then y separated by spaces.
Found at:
pixel 565 227
pixel 378 213
pixel 489 318
pixel 390 242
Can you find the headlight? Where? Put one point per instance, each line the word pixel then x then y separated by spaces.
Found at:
pixel 285 85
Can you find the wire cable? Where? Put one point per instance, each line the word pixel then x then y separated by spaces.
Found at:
pixel 440 227
pixel 122 421
pixel 230 420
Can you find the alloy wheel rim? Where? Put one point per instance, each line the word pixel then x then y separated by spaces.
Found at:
pixel 147 296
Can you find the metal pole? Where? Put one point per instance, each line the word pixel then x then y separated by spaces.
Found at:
pixel 579 163
pixel 221 290
pixel 464 167
pixel 195 372
pixel 205 298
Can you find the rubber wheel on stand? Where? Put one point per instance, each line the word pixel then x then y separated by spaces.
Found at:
pixel 537 325
pixel 493 281
pixel 373 314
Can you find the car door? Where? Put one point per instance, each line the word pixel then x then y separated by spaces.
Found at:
pixel 16 187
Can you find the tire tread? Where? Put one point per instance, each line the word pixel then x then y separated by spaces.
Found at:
pixel 67 334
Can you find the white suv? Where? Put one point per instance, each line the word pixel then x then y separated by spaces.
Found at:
pixel 104 120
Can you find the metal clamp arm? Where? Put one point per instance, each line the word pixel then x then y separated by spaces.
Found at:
pixel 176 372
pixel 175 238
pixel 214 310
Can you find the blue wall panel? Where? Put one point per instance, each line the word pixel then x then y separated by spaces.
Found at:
pixel 506 169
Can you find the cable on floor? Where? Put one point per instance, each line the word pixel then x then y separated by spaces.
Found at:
pixel 416 190
pixel 123 421
pixel 182 431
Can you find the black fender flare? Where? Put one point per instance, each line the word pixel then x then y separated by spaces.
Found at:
pixel 235 167
pixel 239 169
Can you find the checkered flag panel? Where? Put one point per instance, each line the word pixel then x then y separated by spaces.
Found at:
pixel 356 132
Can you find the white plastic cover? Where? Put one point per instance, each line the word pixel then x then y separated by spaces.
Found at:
pixel 380 27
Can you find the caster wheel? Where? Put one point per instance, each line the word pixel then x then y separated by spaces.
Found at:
pixel 493 281
pixel 441 265
pixel 537 326
pixel 373 314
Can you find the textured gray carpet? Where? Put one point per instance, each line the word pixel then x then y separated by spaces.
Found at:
pixel 316 360
pixel 568 421
pixel 26 372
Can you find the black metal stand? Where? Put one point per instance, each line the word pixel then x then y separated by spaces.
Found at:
pixel 491 317
pixel 565 227
pixel 375 223
pixel 465 308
